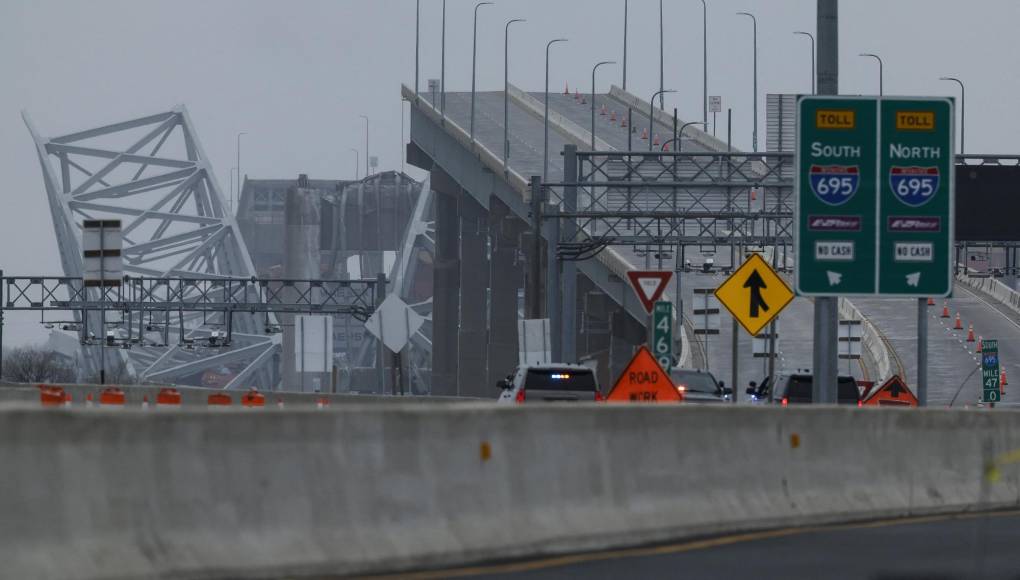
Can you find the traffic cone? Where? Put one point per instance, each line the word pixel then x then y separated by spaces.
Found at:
pixel 754 194
pixel 145 402
pixel 603 111
pixel 656 140
pixel 931 301
pixel 566 88
pixel 577 95
pixel 88 400
pixel 970 333
pixel 666 147
pixel 623 121
pixel 945 310
pixel 67 399
pixel 959 323
pixel 980 344
pixel 644 134
pixel 279 403
pixel 612 117
pixel 1002 378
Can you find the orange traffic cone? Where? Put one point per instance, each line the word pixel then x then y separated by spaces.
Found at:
pixel 970 333
pixel 67 399
pixel 754 194
pixel 959 323
pixel 1002 378
pixel 666 146
pixel 931 301
pixel 88 400
pixel 945 310
pixel 612 117
pixel 145 402
pixel 980 344
pixel 655 141
pixel 603 111
pixel 566 88
pixel 644 134
pixel 623 121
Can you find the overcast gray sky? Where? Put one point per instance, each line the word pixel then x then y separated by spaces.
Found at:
pixel 297 74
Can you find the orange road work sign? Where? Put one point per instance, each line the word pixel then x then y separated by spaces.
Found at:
pixel 894 393
pixel 644 381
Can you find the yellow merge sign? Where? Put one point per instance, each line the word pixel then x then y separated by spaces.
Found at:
pixel 754 294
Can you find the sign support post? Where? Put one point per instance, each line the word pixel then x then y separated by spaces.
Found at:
pixel 922 352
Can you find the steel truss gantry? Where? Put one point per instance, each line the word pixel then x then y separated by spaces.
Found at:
pixel 668 198
pixel 150 309
pixel 152 173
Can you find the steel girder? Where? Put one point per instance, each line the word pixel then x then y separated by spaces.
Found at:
pixel 152 173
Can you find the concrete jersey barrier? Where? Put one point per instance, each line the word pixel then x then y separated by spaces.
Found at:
pixel 994 288
pixel 366 489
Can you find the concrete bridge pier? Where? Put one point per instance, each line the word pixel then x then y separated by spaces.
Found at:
pixel 446 279
pixel 506 278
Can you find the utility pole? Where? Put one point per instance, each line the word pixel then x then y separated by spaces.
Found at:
pixel 826 321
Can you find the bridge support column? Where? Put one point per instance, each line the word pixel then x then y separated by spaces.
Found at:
pixel 505 280
pixel 446 281
pixel 474 283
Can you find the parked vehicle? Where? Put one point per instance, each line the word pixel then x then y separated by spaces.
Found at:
pixel 550 383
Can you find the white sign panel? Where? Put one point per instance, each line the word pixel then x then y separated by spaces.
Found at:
pixel 714 104
pixel 705 313
pixel 313 343
pixel 851 333
pixel 101 252
pixel 534 341
pixel 394 323
pixel 760 343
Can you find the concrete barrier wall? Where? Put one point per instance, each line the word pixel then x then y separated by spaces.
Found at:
pixel 373 488
pixel 874 347
pixel 994 288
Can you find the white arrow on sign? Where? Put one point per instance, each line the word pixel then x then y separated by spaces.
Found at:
pixel 914 279
pixel 834 277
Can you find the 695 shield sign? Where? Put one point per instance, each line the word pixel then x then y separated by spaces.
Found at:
pixel 914 186
pixel 834 184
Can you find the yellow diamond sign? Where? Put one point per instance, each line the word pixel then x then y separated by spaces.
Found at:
pixel 754 294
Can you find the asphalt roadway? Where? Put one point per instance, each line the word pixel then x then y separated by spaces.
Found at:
pixel 972 547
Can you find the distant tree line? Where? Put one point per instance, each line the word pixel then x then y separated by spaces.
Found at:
pixel 35 365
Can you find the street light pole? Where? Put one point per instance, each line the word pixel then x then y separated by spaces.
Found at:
pixel 963 112
pixel 357 164
pixel 812 37
pixel 417 44
pixel 595 68
pixel 651 114
pixel 506 91
pixel 754 21
pixel 239 185
pixel 704 59
pixel 474 58
pixel 442 69
pixel 680 135
pixel 366 144
pixel 545 123
pixel 625 4
pixel 881 74
pixel 661 60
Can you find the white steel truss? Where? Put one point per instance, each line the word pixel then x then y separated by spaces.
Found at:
pixel 152 174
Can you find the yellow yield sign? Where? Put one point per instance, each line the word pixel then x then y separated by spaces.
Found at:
pixel 754 294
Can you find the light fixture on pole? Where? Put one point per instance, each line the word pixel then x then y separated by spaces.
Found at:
pixel 881 73
pixel 593 69
pixel 545 121
pixel 812 38
pixel 474 58
pixel 506 91
pixel 963 112
pixel 680 135
pixel 754 21
pixel 651 114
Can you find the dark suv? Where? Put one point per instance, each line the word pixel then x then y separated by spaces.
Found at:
pixel 797 388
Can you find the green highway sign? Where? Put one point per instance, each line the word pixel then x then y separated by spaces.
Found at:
pixel 990 388
pixel 874 196
pixel 916 197
pixel 662 334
